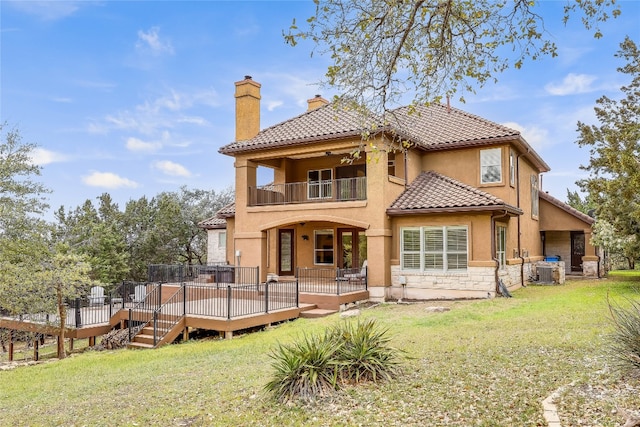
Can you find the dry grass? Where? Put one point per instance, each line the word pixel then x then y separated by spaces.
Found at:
pixel 485 363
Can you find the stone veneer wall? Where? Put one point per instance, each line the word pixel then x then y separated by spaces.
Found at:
pixel 476 282
pixel 590 268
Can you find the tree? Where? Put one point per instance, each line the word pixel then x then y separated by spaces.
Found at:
pixel 586 206
pixel 21 197
pixel 614 167
pixel 382 49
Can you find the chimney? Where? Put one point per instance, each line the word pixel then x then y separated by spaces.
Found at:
pixel 247 109
pixel 316 102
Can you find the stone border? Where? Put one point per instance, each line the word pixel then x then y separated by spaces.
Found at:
pixel 550 409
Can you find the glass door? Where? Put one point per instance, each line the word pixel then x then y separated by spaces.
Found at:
pixel 352 244
pixel 285 252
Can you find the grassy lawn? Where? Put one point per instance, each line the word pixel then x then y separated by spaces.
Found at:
pixel 484 363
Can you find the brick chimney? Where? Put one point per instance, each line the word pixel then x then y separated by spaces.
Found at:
pixel 316 102
pixel 247 109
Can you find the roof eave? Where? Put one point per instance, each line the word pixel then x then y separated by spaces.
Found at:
pixel 511 210
pixel 298 141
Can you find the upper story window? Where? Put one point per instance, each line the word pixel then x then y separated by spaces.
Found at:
pixel 535 203
pixel 319 183
pixel 222 239
pixel 434 248
pixel 491 165
pixel 512 168
pixel 391 164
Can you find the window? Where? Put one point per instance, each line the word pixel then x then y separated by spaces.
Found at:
pixel 323 247
pixel 512 168
pixel 319 184
pixel 491 165
pixel 501 246
pixel 434 248
pixel 222 239
pixel 391 164
pixel 534 196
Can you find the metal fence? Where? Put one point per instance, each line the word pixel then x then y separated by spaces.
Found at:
pixel 343 189
pixel 212 273
pixel 333 281
pixel 226 302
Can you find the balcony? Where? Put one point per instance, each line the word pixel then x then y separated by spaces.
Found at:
pixel 336 190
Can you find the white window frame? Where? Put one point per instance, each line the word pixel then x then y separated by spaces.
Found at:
pixel 322 187
pixel 501 246
pixel 487 161
pixel 317 250
pixel 444 250
pixel 512 168
pixel 535 197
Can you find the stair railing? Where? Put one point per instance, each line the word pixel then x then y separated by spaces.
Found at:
pixel 169 314
pixel 142 311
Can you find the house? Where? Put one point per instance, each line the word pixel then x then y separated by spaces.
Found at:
pixel 441 204
pixel 216 239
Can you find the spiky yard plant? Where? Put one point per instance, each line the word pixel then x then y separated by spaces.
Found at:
pixel 364 352
pixel 625 339
pixel 304 369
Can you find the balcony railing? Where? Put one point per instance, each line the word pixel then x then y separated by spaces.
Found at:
pixel 336 190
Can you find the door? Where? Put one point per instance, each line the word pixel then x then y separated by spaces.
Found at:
pixel 352 245
pixel 285 252
pixel 577 250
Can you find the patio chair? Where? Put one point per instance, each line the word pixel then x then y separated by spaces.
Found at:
pixel 358 277
pixel 96 296
pixel 139 294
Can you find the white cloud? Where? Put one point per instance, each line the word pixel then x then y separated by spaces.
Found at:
pixel 272 105
pixel 41 156
pixel 536 136
pixel 170 168
pixel 150 41
pixel 572 84
pixel 156 115
pixel 108 180
pixel 47 10
pixel 135 144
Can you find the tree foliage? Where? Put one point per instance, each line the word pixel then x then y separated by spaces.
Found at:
pixel 161 230
pixel 614 167
pixel 382 49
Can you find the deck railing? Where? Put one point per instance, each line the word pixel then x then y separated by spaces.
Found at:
pixel 221 274
pixel 141 313
pixel 336 190
pixel 227 302
pixel 333 281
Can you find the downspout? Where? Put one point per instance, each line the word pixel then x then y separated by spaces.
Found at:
pixel 493 247
pixel 518 220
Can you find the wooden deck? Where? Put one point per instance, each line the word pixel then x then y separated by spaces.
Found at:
pixel 193 318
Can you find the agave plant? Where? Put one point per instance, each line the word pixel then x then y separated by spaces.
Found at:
pixel 364 352
pixel 305 369
pixel 625 339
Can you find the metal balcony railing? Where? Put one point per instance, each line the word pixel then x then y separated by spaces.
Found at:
pixel 336 190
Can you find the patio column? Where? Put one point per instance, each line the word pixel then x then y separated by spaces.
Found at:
pixel 378 266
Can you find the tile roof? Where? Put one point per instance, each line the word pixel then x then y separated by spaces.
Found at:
pixel 213 223
pixel 434 127
pixel 567 208
pixel 322 123
pixel 437 125
pixel 228 211
pixel 432 192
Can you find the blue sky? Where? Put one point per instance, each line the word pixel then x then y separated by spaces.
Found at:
pixel 135 98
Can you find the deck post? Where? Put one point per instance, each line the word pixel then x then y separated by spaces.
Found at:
pixel 129 323
pixel 155 327
pixel 228 302
pixel 184 302
pixel 10 345
pixel 36 349
pixel 78 314
pixel 266 297
pixel 297 292
pixel 338 280
pixel 185 334
pixel 70 345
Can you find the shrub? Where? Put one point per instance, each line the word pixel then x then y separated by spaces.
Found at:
pixel 317 364
pixel 364 352
pixel 625 340
pixel 304 369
